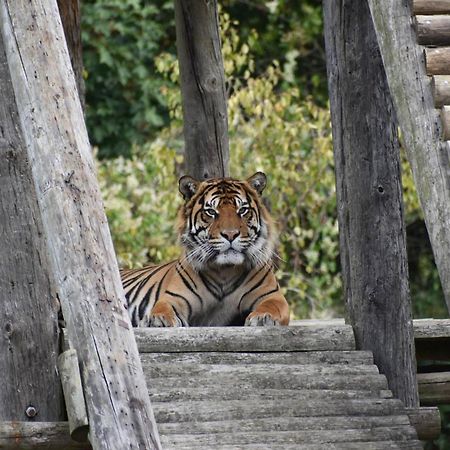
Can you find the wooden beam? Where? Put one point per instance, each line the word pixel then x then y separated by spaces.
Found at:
pixel 369 194
pixel 431 6
pixel 434 388
pixel 419 122
pixel 73 395
pixel 445 119
pixel 29 342
pixel 36 435
pixel 202 89
pixel 440 85
pixel 433 30
pixel 437 60
pixel 242 339
pixel 79 244
pixel 426 421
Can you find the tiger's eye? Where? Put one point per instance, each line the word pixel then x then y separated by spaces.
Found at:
pixel 243 211
pixel 210 212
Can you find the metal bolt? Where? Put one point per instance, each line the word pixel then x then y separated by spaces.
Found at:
pixel 31 411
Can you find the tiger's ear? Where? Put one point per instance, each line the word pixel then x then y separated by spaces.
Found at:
pixel 188 186
pixel 258 182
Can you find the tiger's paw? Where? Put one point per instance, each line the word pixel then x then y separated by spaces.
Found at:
pixel 261 320
pixel 163 315
pixel 162 321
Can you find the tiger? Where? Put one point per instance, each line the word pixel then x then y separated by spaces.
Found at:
pixel 225 274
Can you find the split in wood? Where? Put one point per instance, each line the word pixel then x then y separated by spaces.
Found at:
pixel 433 30
pixel 431 6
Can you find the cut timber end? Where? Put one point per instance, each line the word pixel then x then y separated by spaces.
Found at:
pixel 445 119
pixel 433 30
pixel 437 60
pixel 431 7
pixel 440 85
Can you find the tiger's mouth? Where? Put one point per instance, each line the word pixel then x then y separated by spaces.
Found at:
pixel 230 257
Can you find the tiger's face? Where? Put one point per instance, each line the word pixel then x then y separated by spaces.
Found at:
pixel 224 223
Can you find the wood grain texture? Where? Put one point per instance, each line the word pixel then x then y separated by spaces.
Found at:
pixel 242 339
pixel 431 6
pixel 433 30
pixel 434 388
pixel 427 422
pixel 233 358
pixel 28 305
pixel 445 119
pixel 380 445
pixel 202 89
pixel 69 10
pixel 73 395
pixel 223 392
pixel 38 435
pixel 335 423
pixel 231 410
pixel 79 245
pixel 211 440
pixel 420 124
pixel 440 86
pixel 369 195
pixel 437 60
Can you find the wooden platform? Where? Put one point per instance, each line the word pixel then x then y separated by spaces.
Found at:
pixel 270 388
pixel 298 387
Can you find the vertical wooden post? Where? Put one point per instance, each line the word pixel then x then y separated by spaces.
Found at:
pixel 79 245
pixel 202 88
pixel 69 11
pixel 420 124
pixel 370 210
pixel 28 306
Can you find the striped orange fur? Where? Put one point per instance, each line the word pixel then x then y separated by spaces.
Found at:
pixel 225 273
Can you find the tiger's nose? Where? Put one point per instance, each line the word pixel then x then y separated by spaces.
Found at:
pixel 230 235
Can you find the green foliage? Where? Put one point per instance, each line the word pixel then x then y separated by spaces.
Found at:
pixel 120 41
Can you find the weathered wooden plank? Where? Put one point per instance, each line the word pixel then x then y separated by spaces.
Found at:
pixel 205 120
pixel 437 60
pixel 200 411
pixel 223 392
pixel 380 445
pixel 426 421
pixel 322 357
pixel 369 195
pixel 431 328
pixel 434 388
pixel 399 433
pixel 284 424
pixel 165 370
pixel 79 245
pixel 244 339
pixel 38 435
pixel 433 30
pixel 431 6
pixel 28 305
pixel 420 124
pixel 281 381
pixel 440 86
